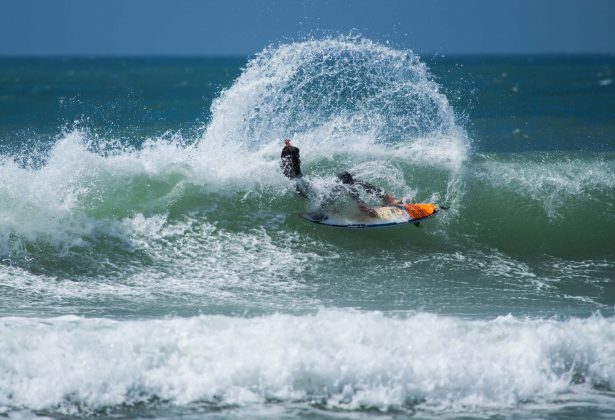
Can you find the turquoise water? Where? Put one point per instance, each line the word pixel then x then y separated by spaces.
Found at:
pixel 153 263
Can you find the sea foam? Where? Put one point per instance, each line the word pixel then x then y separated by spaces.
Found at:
pixel 335 359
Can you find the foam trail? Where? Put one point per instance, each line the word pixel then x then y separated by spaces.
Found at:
pixel 342 359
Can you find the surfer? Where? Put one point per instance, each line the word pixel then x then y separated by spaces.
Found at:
pixel 291 168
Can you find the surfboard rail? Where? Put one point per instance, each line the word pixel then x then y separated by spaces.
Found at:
pixel 387 216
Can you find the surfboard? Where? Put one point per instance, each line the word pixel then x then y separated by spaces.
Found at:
pixel 386 216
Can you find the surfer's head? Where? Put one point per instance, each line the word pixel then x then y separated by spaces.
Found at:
pixel 345 177
pixel 287 142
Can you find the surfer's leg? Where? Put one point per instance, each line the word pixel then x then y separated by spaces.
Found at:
pixel 303 188
pixel 366 209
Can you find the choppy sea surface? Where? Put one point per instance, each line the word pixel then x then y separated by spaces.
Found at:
pixel 153 263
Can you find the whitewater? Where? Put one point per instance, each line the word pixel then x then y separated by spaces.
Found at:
pixel 153 262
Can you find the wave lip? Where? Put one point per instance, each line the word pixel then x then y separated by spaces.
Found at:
pixel 334 359
pixel 336 93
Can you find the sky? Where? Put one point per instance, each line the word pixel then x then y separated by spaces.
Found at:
pixel 244 27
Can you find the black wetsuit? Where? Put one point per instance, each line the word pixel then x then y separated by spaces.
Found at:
pixel 291 162
pixel 291 168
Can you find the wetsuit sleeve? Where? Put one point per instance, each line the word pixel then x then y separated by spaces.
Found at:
pixel 286 163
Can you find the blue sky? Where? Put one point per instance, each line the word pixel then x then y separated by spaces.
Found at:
pixel 243 27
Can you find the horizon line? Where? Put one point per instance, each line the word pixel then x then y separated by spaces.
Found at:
pixel 249 55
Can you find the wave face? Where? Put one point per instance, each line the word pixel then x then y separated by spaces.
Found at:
pixel 160 268
pixel 333 360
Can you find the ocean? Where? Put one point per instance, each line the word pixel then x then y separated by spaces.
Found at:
pixel 153 263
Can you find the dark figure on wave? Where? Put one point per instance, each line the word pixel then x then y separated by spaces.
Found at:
pixel 291 167
pixel 291 161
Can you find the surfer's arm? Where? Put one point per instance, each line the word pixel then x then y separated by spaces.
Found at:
pixel 286 164
pixel 378 192
pixel 371 189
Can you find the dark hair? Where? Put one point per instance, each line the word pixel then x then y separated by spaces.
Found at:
pixel 345 177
